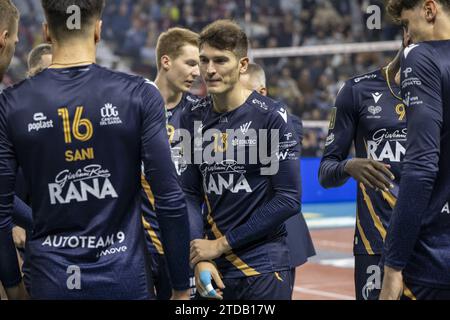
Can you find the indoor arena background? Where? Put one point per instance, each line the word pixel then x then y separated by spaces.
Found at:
pixel 308 48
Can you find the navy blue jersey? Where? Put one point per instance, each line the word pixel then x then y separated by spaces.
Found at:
pixel 243 201
pixel 301 246
pixel 22 190
pixel 367 114
pixel 151 226
pixel 299 240
pixel 419 236
pixel 79 135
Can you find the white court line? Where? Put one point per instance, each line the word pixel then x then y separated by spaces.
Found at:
pixel 324 293
pixel 331 222
pixel 347 263
pixel 314 286
pixel 335 244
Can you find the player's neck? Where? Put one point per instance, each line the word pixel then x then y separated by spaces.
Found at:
pixel 171 95
pixel 72 54
pixel 231 100
pixel 443 34
pixel 441 30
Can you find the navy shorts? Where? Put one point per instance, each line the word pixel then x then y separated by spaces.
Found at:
pixel 269 286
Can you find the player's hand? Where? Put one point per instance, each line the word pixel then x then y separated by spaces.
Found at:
pixel 181 294
pixel 204 272
pixel 17 293
pixel 371 173
pixel 19 237
pixel 392 284
pixel 202 250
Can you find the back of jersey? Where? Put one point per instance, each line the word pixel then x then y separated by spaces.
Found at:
pixel 419 239
pixel 76 133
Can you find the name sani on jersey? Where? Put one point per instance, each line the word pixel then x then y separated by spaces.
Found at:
pixel 91 181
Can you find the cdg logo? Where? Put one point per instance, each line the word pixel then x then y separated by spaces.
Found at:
pixel 109 111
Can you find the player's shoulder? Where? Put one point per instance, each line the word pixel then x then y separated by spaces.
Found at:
pixel 264 104
pixel 194 109
pixel 360 83
pixel 267 107
pixel 427 52
pixel 196 105
pixel 364 79
pixel 15 91
pixel 418 49
pixel 126 79
pixel 190 101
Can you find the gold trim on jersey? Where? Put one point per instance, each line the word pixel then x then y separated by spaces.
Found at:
pixel 151 198
pixel 148 191
pixel 363 236
pixel 233 258
pixel 389 199
pixel 279 278
pixel 376 219
pixel 154 238
pixel 408 293
pixel 389 83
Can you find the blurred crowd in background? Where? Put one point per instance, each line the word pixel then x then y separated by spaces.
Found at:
pixel 308 85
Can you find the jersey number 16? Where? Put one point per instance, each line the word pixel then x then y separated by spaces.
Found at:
pixel 77 124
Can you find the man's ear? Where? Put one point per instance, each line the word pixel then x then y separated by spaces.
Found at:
pixel 3 38
pixel 243 65
pixel 46 33
pixel 430 10
pixel 98 31
pixel 165 62
pixel 263 91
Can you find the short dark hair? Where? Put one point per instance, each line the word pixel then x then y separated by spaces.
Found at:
pixel 8 13
pixel 395 7
pixel 172 41
pixel 57 16
pixel 225 35
pixel 35 58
